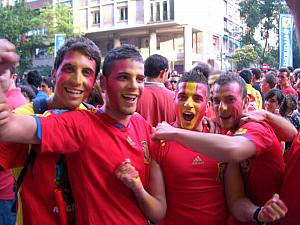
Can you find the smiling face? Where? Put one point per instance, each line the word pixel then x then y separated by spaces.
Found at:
pixel 123 86
pixel 190 104
pixel 228 104
pixel 75 78
pixel 272 105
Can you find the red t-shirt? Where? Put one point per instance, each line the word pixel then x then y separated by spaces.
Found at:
pixel 156 105
pixel 263 173
pixel 37 189
pixel 194 186
pixel 95 145
pixel 290 90
pixel 290 192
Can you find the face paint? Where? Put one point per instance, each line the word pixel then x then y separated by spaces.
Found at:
pixel 228 105
pixel 75 78
pixel 123 87
pixel 190 104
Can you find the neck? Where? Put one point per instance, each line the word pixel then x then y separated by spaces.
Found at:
pixel 121 118
pixel 154 79
pixel 199 128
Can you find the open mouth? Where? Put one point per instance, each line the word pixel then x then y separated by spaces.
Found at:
pixel 73 91
pixel 130 98
pixel 188 116
pixel 225 117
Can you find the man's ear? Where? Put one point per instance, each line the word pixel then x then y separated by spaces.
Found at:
pixel 245 103
pixel 103 82
pixel 53 74
pixel 208 105
pixel 14 77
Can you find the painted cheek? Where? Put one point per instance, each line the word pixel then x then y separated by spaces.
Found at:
pixel 180 109
pixel 90 81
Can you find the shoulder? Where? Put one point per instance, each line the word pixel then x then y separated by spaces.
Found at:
pixel 25 109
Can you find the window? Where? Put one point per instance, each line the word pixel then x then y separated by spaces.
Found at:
pixel 124 13
pixel 96 17
pixel 165 10
pixel 157 18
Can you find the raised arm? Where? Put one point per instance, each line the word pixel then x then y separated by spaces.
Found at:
pixel 284 129
pixel 8 56
pixel 152 202
pixel 242 208
pixel 220 147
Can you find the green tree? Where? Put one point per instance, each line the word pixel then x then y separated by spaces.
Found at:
pixel 30 29
pixel 15 27
pixel 56 19
pixel 243 57
pixel 266 14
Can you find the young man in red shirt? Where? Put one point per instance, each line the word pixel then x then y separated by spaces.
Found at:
pixel 96 143
pixel 194 185
pixel 254 144
pixel 156 103
pixel 37 203
pixel 284 81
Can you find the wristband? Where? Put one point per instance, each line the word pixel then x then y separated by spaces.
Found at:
pixel 255 216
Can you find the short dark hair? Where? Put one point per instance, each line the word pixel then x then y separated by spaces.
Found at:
pixel 28 91
pixel 289 104
pixel 196 77
pixel 256 73
pixel 119 53
pixel 291 69
pixel 34 78
pixel 202 68
pixel 83 45
pixel 271 79
pixel 225 79
pixel 48 81
pixel 282 70
pixel 277 93
pixel 246 75
pixel 154 64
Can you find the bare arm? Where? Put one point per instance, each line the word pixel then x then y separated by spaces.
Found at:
pixel 241 207
pixel 152 204
pixel 284 129
pixel 220 147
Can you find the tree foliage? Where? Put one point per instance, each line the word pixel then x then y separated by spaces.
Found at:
pixel 15 25
pixel 243 57
pixel 263 14
pixel 56 19
pixel 29 29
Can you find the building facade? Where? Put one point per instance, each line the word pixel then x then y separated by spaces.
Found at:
pixel 183 31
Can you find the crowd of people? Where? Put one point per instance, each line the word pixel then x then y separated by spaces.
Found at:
pixel 141 144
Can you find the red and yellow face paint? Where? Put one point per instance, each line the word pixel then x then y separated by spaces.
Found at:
pixel 190 104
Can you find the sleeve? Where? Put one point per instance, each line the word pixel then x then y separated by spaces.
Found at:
pixel 63 133
pixel 261 134
pixel 13 155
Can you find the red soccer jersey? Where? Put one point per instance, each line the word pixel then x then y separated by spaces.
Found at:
pixel 194 186
pixel 290 90
pixel 37 189
pixel 262 173
pixel 97 145
pixel 157 104
pixel 290 192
